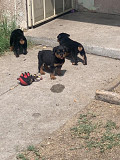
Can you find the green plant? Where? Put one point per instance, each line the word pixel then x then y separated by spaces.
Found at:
pixel 31 148
pixel 34 150
pixel 6 27
pixel 84 127
pixel 86 130
pixel 22 157
pixel 110 125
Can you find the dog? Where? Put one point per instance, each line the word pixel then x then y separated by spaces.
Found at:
pixel 72 48
pixel 51 60
pixel 18 42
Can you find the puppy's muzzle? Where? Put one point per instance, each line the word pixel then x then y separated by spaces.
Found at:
pixel 61 55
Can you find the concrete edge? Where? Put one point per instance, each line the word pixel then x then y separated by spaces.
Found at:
pixel 103 51
pixel 96 50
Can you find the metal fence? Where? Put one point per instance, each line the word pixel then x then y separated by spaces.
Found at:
pixel 43 10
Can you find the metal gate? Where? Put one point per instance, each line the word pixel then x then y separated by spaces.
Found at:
pixel 43 10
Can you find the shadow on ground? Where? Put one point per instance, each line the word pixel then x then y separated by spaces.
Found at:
pixel 97 18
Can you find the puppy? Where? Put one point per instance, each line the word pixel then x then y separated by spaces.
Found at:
pixel 72 47
pixel 18 42
pixel 54 59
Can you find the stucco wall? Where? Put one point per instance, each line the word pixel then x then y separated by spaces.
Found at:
pixel 7 7
pixel 86 4
pixel 103 6
pixel 15 8
pixel 21 13
pixel 107 6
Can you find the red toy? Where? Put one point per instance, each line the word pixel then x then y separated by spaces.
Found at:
pixel 26 78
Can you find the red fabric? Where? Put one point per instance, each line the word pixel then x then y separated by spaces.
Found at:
pixel 22 81
pixel 25 79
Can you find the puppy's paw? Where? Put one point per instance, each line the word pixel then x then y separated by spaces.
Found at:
pixel 25 52
pixel 52 77
pixel 84 62
pixel 17 55
pixel 74 63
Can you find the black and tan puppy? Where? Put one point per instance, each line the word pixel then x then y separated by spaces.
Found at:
pixel 72 47
pixel 51 60
pixel 18 42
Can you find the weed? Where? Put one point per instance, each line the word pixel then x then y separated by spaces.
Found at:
pixel 85 129
pixel 31 148
pixel 6 27
pixel 22 157
pixel 34 150
pixel 30 44
pixel 110 125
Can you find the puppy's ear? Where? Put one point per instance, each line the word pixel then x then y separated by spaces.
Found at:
pixel 65 49
pixel 66 35
pixel 62 35
pixel 54 50
pixel 58 37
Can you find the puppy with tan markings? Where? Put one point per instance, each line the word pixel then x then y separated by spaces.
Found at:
pixel 72 48
pixel 18 42
pixel 51 61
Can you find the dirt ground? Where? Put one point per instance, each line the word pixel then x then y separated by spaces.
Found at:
pixel 62 145
pixel 71 143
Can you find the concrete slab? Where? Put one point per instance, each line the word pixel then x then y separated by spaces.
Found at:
pixel 28 114
pixel 99 33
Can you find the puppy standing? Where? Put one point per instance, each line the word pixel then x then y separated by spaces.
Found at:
pixel 54 59
pixel 18 42
pixel 72 47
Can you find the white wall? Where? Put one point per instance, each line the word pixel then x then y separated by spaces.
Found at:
pixel 88 4
pixel 102 6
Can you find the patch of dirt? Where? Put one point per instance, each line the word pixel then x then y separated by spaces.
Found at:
pixel 64 145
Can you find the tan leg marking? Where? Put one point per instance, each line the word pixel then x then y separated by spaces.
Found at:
pixel 41 70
